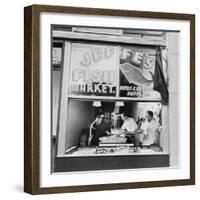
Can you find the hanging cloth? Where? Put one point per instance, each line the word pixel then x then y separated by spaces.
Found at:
pixel 159 79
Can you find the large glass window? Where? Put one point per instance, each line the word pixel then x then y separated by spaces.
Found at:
pixel 112 104
pixel 98 127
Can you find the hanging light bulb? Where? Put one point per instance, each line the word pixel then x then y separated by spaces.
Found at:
pixel 96 104
pixel 119 103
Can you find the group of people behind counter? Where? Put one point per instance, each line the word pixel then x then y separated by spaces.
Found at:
pixel 143 133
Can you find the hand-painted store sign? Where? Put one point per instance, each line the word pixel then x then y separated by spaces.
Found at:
pixel 137 67
pixel 96 55
pixel 94 70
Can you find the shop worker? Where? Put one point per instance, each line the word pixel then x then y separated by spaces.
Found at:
pixel 99 129
pixel 129 127
pixel 150 130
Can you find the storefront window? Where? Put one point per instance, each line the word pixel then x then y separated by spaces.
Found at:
pixel 113 106
pixel 95 130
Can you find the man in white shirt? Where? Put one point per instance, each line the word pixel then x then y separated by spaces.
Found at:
pixel 129 124
pixel 150 130
pixel 129 127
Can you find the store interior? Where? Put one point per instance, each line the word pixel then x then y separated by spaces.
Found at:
pixel 82 113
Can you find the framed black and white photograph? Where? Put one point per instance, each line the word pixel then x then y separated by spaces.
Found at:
pixel 109 99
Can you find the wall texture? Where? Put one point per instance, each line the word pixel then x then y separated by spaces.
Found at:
pixel 173 69
pixel 79 117
pixel 56 75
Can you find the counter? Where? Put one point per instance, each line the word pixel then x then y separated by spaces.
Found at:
pixel 85 159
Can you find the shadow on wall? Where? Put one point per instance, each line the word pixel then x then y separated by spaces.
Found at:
pixel 79 118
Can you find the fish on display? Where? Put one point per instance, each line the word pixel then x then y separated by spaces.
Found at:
pixel 134 75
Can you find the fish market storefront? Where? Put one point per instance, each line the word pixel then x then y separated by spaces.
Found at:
pixel 111 99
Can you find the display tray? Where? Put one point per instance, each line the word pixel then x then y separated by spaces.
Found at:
pixel 111 150
pixel 101 144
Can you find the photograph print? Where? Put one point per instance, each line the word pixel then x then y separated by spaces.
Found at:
pixel 114 98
